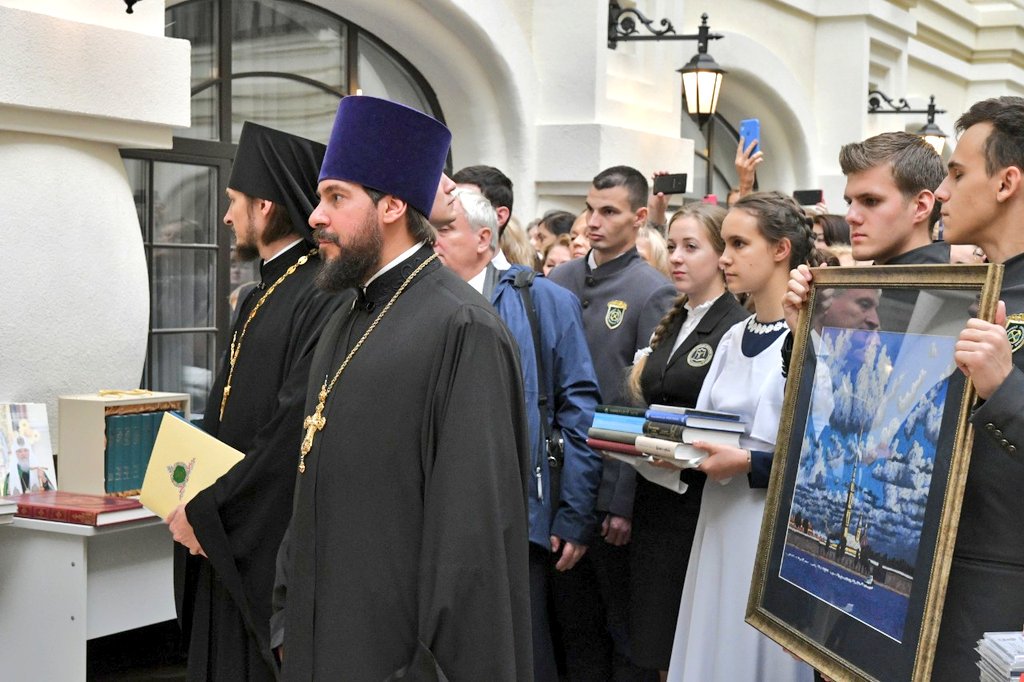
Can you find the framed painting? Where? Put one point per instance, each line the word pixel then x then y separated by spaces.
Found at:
pixel 869 470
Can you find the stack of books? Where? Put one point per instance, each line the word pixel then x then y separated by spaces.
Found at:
pixel 662 432
pixel 130 439
pixel 1002 657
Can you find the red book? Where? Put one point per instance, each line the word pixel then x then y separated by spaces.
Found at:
pixel 79 508
pixel 612 446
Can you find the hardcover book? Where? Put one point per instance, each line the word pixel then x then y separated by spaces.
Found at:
pixel 618 422
pixel 695 421
pixel 78 508
pixel 623 410
pixel 26 455
pixel 185 460
pixel 668 449
pixel 690 434
pixel 710 414
pixel 612 446
pixel 612 435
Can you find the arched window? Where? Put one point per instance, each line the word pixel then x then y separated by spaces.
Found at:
pixel 282 63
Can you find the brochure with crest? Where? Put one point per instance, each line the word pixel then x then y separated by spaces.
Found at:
pixel 26 455
pixel 185 460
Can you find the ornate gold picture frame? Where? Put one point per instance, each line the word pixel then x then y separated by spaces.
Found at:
pixel 868 475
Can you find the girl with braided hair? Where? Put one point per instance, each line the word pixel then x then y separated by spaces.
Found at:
pixel 670 372
pixel 766 235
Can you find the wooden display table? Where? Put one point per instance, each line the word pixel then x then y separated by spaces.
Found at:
pixel 62 584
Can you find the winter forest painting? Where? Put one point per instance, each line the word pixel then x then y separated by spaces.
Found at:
pixel 864 476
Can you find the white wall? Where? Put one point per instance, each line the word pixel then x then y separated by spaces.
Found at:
pixel 76 83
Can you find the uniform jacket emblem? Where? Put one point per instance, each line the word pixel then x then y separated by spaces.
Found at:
pixel 700 355
pixel 616 311
pixel 1015 331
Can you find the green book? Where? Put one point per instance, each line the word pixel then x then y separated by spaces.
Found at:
pixel 135 469
pixel 108 453
pixel 623 410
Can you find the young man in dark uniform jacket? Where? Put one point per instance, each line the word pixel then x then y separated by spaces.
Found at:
pixel 982 200
pixel 983 204
pixel 232 528
pixel 623 299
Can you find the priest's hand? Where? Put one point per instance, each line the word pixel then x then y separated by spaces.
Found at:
pixel 616 530
pixel 571 553
pixel 723 461
pixel 181 530
pixel 983 353
pixel 796 294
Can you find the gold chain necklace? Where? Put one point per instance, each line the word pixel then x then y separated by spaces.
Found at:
pixel 316 421
pixel 236 340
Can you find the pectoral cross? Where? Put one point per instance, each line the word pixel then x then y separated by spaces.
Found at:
pixel 313 423
pixel 224 401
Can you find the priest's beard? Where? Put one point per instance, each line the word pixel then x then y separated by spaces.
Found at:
pixel 278 226
pixel 357 259
pixel 245 239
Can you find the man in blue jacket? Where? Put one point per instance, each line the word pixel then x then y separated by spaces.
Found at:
pixel 563 519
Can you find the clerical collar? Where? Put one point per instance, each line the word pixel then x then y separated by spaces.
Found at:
pixel 271 268
pixel 282 250
pixel 386 282
pixel 401 257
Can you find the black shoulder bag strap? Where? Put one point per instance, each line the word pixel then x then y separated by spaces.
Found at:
pixel 555 451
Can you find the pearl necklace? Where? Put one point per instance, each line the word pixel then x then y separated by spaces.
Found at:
pixel 755 327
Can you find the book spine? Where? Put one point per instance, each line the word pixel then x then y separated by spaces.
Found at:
pixel 663 430
pixel 693 412
pixel 621 410
pixel 657 447
pixel 64 515
pixel 666 417
pixel 692 434
pixel 108 455
pixel 714 424
pixel 123 451
pixel 671 409
pixel 615 436
pixel 614 422
pixel 135 464
pixel 151 425
pixel 115 442
pixel 612 446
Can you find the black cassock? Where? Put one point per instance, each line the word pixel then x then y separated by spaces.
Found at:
pixel 224 602
pixel 406 557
